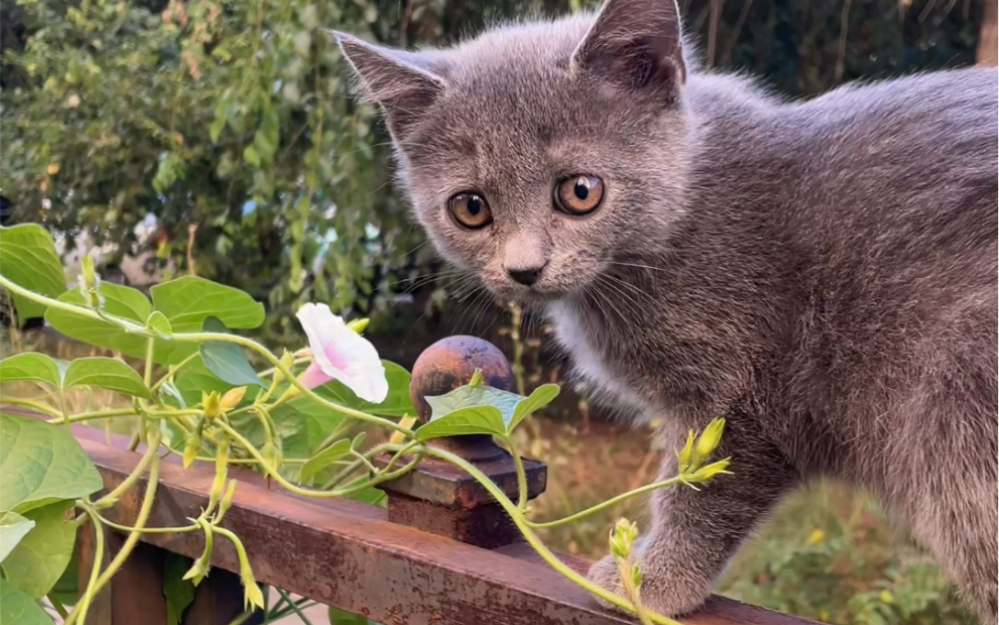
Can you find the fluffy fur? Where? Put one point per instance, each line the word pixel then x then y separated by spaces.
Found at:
pixel 823 273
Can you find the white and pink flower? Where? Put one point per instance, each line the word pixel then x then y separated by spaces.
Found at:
pixel 340 353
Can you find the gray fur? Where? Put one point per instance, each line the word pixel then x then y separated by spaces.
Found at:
pixel 823 273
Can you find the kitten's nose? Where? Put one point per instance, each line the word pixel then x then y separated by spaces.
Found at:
pixel 526 276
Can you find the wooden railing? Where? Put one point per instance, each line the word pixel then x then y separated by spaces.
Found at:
pixel 441 553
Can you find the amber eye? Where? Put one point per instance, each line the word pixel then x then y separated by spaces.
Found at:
pixel 580 194
pixel 470 210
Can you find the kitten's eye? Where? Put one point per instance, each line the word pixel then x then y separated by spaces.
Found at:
pixel 579 195
pixel 470 210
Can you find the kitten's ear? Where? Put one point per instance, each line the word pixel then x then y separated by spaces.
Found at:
pixel 636 43
pixel 402 83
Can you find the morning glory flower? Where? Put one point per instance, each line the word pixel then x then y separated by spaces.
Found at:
pixel 340 353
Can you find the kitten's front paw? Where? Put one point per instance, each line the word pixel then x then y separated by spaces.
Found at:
pixel 669 593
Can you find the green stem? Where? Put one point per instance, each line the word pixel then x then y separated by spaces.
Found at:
pixel 624 571
pixel 52 412
pixel 518 464
pixel 140 468
pixel 332 437
pixel 140 522
pixel 98 414
pixel 294 606
pixel 204 337
pixel 150 530
pixel 534 541
pixel 603 506
pixel 127 325
pixel 173 371
pixel 384 476
pixel 81 609
pixel 57 606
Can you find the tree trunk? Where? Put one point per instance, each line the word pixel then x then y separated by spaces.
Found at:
pixel 989 35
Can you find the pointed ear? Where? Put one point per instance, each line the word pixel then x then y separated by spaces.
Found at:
pixel 636 44
pixel 402 83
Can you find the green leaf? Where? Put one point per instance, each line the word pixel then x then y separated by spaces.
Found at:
pixel 67 589
pixel 482 410
pixel 107 373
pixel 38 561
pixel 13 528
pixel 471 420
pixel 538 399
pixel 28 258
pixel 290 430
pixel 158 322
pixel 318 419
pixel 187 302
pixel 195 378
pixel 324 459
pixel 397 403
pixel 371 496
pixel 41 463
pixel 178 591
pixel 342 617
pixel 227 360
pixel 31 366
pixel 119 301
pixel 17 608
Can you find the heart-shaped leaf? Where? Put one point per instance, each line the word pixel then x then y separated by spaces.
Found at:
pixel 107 373
pixel 471 420
pixel 482 410
pixel 158 322
pixel 31 366
pixel 397 403
pixel 119 301
pixel 324 458
pixel 28 258
pixel 179 592
pixel 17 608
pixel 37 563
pixel 13 527
pixel 227 360
pixel 187 302
pixel 41 463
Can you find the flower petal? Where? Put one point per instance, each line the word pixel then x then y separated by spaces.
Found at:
pixel 321 327
pixel 313 376
pixel 342 354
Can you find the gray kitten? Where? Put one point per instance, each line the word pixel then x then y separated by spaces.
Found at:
pixel 822 273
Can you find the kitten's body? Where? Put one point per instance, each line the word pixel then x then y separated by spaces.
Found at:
pixel 823 273
pixel 837 302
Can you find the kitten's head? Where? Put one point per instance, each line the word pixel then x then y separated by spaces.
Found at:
pixel 538 155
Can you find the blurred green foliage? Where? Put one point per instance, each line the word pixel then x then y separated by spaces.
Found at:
pixel 233 122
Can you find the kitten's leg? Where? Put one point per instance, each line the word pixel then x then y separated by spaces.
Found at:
pixel 694 533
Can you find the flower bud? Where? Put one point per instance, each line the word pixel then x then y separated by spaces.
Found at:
pixel 358 325
pixel 683 457
pixel 221 472
pixel 199 570
pixel 191 448
pixel 212 404
pixel 709 471
pixel 232 398
pixel 636 576
pixel 226 502
pixel 710 438
pixel 622 538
